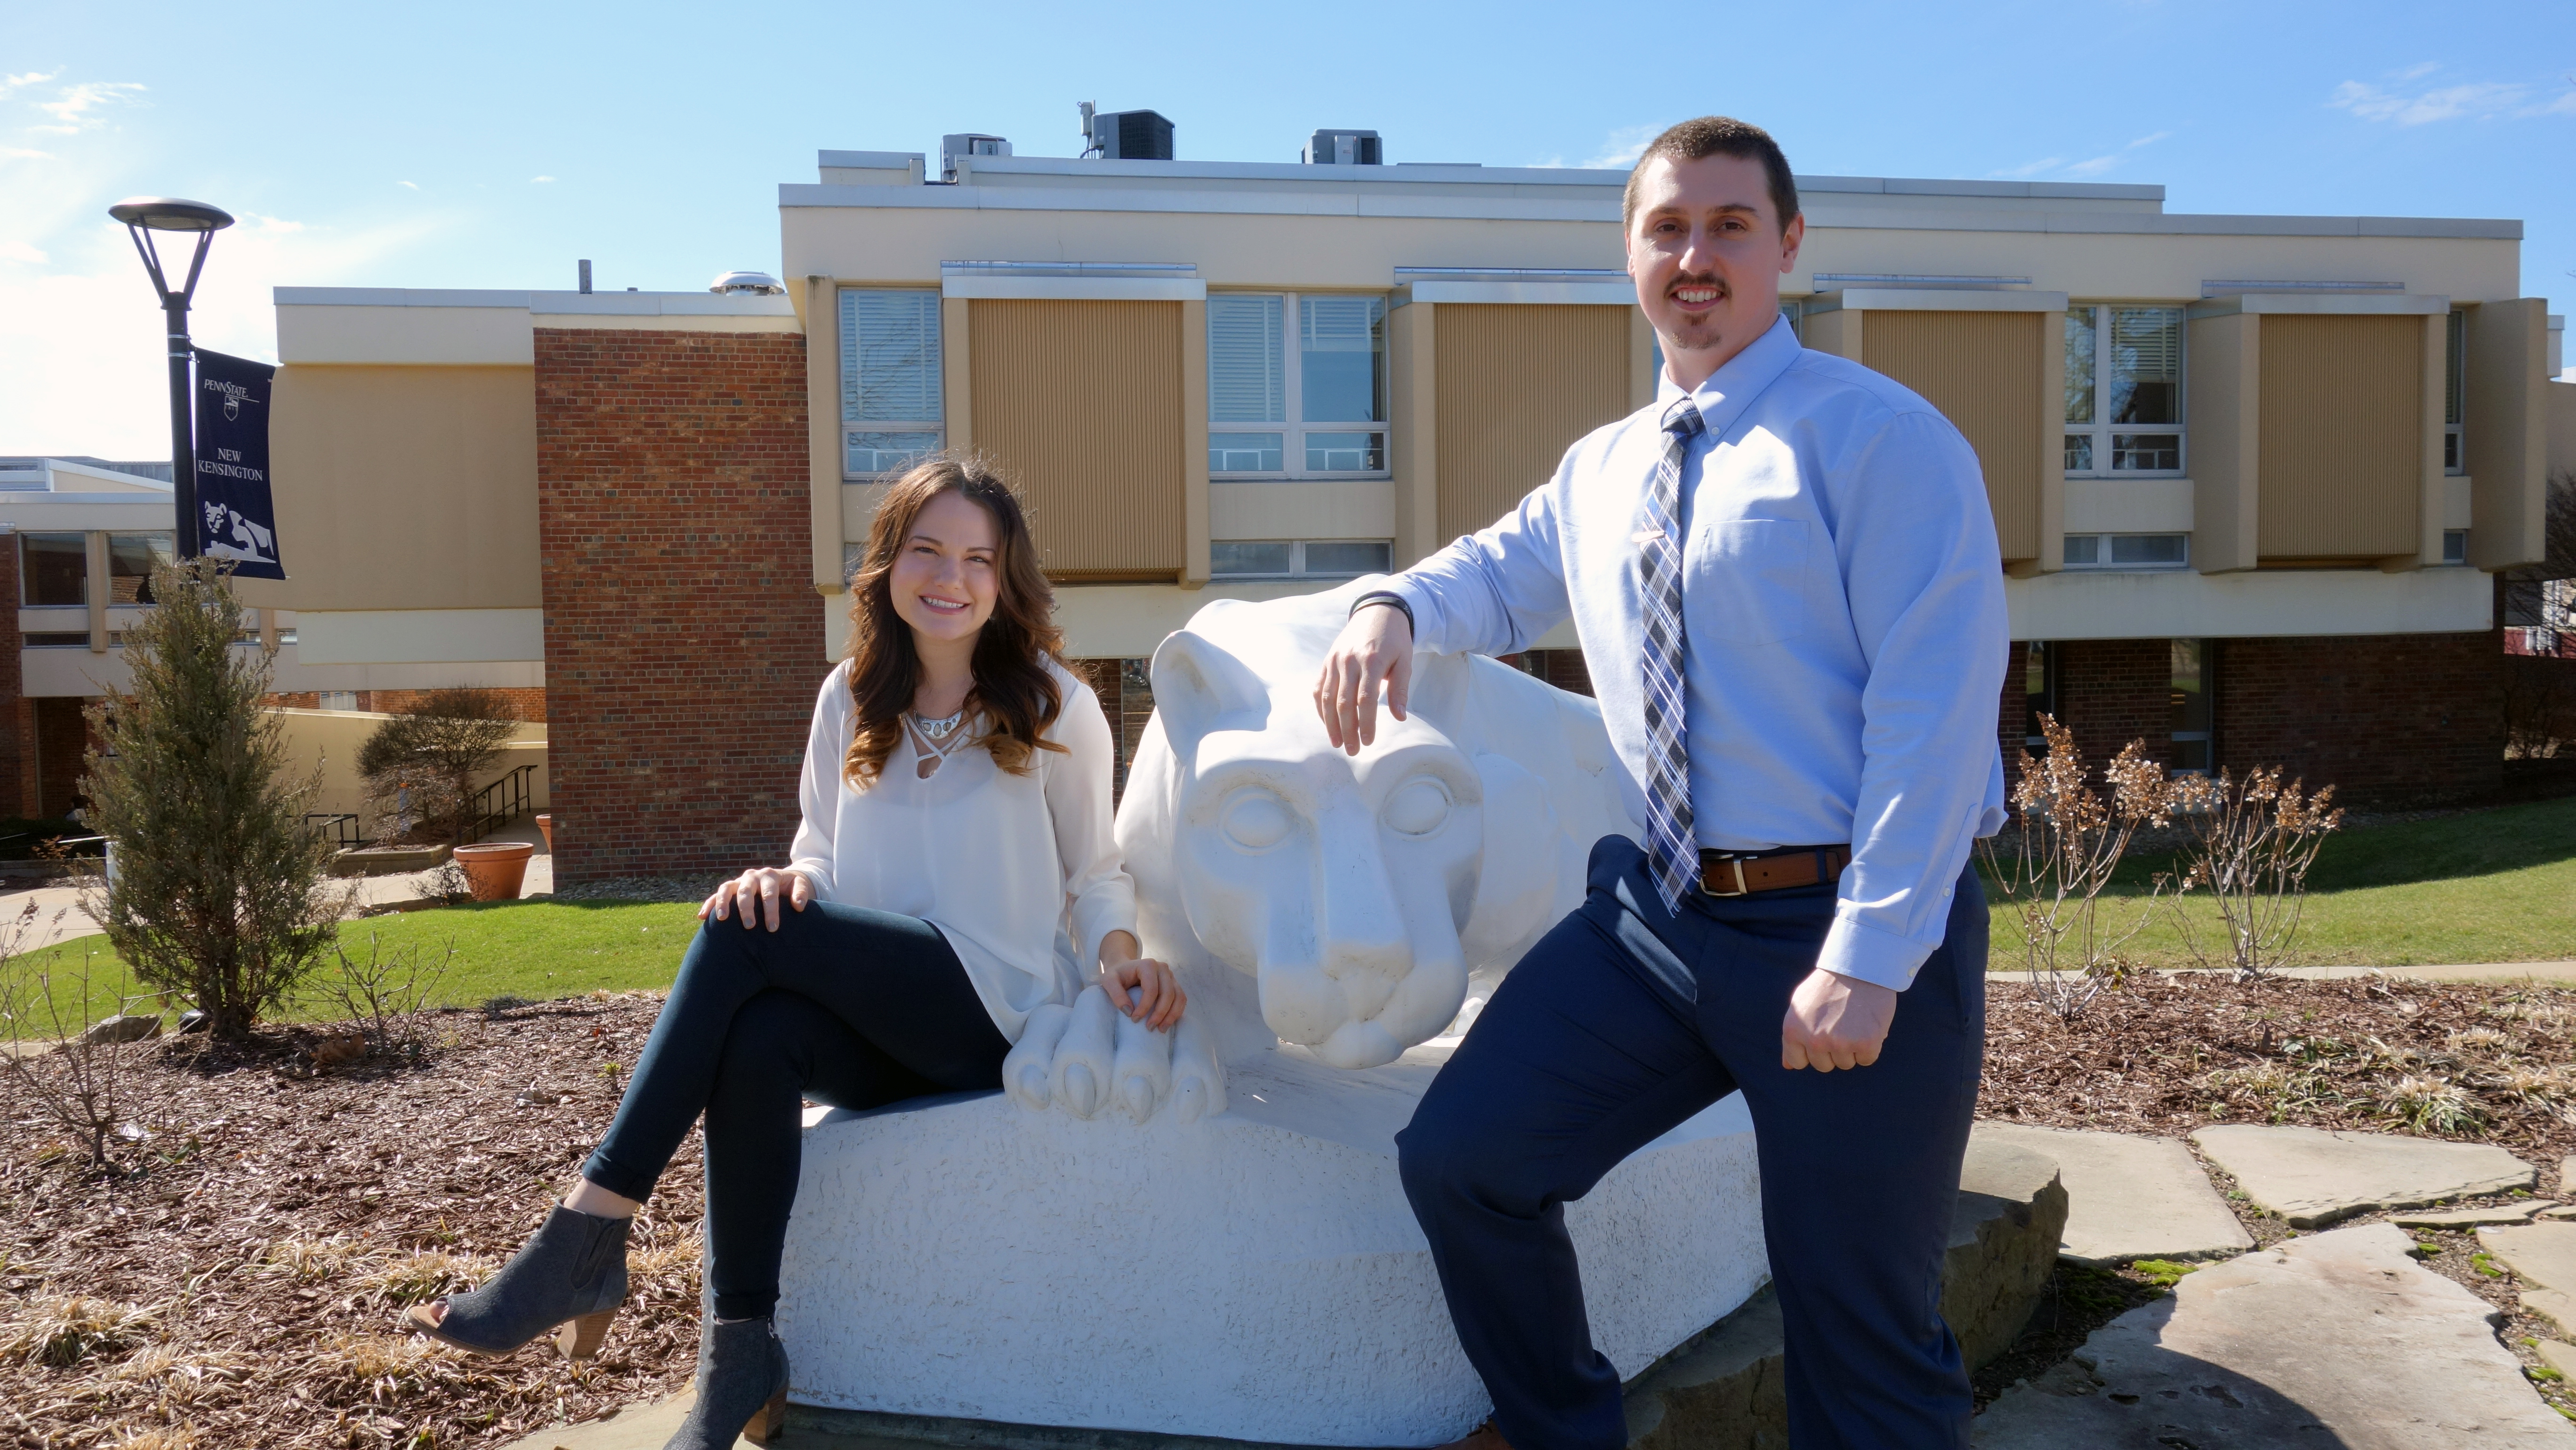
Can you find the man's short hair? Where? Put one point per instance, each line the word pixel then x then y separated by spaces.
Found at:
pixel 1718 136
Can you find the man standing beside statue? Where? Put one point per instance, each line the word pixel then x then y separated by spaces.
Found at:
pixel 1785 580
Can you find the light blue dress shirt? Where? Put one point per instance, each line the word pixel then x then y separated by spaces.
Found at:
pixel 1843 603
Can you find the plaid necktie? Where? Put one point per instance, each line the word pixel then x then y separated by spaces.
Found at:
pixel 1672 850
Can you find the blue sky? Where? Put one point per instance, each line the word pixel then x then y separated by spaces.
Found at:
pixel 467 145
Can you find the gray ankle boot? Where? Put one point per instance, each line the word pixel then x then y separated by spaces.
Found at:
pixel 742 1387
pixel 571 1277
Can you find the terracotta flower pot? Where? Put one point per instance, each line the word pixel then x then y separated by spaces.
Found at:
pixel 494 869
pixel 546 825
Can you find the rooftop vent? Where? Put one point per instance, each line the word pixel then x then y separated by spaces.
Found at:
pixel 748 284
pixel 1342 148
pixel 968 144
pixel 1126 135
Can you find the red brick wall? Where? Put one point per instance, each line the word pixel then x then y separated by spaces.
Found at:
pixel 2113 691
pixel 2012 712
pixel 2385 719
pixel 18 738
pixel 684 639
pixel 62 740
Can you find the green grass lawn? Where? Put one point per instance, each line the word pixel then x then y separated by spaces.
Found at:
pixel 2487 886
pixel 536 948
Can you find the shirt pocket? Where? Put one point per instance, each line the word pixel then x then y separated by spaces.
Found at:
pixel 1751 585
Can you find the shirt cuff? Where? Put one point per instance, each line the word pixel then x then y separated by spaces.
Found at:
pixel 1866 954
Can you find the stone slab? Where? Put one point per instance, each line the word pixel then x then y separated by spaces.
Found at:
pixel 2558 1356
pixel 637 1427
pixel 2541 1255
pixel 1723 1391
pixel 2332 1339
pixel 964 1259
pixel 2313 1177
pixel 2130 1197
pixel 2551 1306
pixel 2467 1217
pixel 2558 1210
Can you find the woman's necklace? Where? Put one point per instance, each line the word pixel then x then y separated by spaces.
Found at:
pixel 938 729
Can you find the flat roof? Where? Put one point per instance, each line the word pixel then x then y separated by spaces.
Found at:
pixel 543 303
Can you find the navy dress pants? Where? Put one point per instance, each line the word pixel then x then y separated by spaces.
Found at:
pixel 1620 1024
pixel 850 1007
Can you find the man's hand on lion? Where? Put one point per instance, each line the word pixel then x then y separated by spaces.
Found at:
pixel 1374 648
pixel 757 892
pixel 1835 1021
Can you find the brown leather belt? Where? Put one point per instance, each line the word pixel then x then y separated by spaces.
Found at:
pixel 1731 873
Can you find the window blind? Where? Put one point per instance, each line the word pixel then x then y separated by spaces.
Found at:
pixel 889 356
pixel 1247 365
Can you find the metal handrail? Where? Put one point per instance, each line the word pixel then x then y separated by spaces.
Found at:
pixel 341 826
pixel 498 804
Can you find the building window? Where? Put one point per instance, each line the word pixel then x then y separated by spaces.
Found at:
pixel 2128 551
pixel 57 639
pixel 2192 712
pixel 2455 546
pixel 2124 391
pixel 337 700
pixel 2039 692
pixel 1301 402
pixel 1300 558
pixel 891 405
pixel 53 571
pixel 130 558
pixel 2455 344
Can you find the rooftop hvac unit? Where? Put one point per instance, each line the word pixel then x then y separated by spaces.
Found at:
pixel 1343 148
pixel 952 147
pixel 1129 135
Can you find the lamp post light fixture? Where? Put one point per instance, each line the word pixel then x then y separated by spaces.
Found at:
pixel 144 215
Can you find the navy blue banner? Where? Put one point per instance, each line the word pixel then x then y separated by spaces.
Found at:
pixel 235 519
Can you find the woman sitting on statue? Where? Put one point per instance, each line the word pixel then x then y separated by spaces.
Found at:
pixel 956 804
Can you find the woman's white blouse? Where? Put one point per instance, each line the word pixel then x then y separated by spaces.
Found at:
pixel 1019 872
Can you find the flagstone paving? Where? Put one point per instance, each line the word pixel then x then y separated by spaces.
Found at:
pixel 2468 1217
pixel 2312 1177
pixel 2329 1339
pixel 2130 1198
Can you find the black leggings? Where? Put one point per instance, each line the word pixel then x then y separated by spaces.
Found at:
pixel 844 1005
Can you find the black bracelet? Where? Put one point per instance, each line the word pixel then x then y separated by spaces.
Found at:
pixel 1386 596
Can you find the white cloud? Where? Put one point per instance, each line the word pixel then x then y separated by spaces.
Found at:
pixel 1622 147
pixel 2416 71
pixel 30 78
pixel 2031 169
pixel 2095 166
pixel 2565 105
pixel 72 107
pixel 414 185
pixel 20 153
pixel 20 252
pixel 534 179
pixel 2473 99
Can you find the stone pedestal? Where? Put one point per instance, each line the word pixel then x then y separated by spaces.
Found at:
pixel 1256 1276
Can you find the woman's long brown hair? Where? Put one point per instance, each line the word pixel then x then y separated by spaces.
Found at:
pixel 1018 699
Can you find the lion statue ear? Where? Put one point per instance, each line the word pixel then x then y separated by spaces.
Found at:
pixel 1200 688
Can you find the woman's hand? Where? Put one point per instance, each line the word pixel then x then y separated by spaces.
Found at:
pixel 1123 972
pixel 757 891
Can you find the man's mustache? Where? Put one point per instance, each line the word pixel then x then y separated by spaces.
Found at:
pixel 1699 279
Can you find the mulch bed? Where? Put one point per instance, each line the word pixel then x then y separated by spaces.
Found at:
pixel 238 1282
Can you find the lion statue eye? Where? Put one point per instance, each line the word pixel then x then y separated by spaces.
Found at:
pixel 1257 820
pixel 1417 808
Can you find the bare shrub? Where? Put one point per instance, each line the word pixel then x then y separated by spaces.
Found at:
pixel 2253 841
pixel 2069 844
pixel 384 994
pixel 45 1001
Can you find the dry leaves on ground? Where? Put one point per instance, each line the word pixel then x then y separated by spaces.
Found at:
pixel 240 1284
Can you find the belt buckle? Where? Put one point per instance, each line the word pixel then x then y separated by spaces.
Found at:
pixel 1740 888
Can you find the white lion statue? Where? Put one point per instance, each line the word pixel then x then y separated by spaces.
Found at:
pixel 1351 906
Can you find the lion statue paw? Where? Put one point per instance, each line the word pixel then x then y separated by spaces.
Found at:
pixel 1091 1057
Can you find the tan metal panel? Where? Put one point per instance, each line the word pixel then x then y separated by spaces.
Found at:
pixel 2341 443
pixel 2505 430
pixel 1082 403
pixel 405 488
pixel 2222 408
pixel 1410 354
pixel 1197 556
pixel 1516 386
pixel 1982 370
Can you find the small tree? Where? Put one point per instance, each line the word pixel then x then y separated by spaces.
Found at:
pixel 437 745
pixel 219 890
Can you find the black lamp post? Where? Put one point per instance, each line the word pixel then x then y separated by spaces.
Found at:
pixel 144 215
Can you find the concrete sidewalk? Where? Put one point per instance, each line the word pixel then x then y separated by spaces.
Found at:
pixel 2454 972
